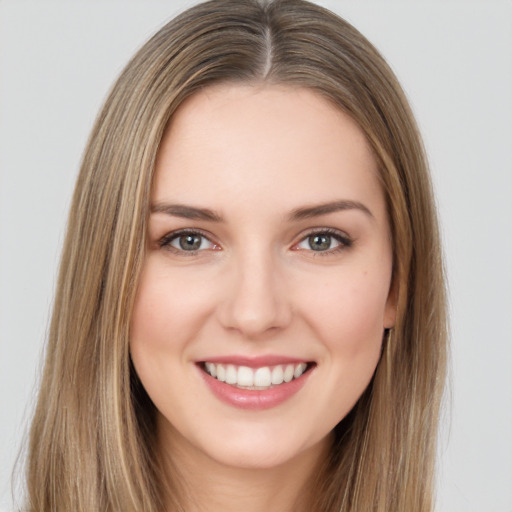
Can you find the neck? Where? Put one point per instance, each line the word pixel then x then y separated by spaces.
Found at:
pixel 206 485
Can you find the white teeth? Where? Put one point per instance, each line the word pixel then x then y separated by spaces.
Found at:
pixel 221 373
pixel 211 369
pixel 299 370
pixel 231 374
pixel 255 378
pixel 288 373
pixel 277 375
pixel 262 377
pixel 245 376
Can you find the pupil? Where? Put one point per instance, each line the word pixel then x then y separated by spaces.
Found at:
pixel 190 242
pixel 319 242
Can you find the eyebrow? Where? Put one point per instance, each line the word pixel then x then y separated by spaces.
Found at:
pixel 307 212
pixel 186 212
pixel 325 208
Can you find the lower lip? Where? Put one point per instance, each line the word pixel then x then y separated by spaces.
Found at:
pixel 251 398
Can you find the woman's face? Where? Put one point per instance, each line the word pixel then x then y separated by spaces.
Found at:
pixel 269 259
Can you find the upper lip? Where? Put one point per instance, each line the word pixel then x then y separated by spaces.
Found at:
pixel 255 362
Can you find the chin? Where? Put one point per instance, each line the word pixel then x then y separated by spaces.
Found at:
pixel 262 452
pixel 253 458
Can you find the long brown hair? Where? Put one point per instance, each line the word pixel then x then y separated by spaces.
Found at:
pixel 92 442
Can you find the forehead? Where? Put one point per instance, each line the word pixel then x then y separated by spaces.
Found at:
pixel 268 144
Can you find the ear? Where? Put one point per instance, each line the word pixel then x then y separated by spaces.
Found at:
pixel 391 305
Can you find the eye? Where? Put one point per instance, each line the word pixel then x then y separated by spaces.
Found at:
pixel 187 241
pixel 324 241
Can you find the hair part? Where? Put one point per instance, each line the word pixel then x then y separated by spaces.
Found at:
pixel 94 426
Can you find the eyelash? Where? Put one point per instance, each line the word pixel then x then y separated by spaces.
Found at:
pixel 166 240
pixel 345 242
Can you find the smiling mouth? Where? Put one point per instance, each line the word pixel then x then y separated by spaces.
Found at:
pixel 262 378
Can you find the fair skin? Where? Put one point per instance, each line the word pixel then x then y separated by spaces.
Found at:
pixel 269 246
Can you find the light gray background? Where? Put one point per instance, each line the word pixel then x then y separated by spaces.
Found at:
pixel 57 61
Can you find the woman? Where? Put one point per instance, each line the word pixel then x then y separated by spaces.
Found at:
pixel 250 308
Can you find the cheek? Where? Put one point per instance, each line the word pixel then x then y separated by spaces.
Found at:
pixel 168 309
pixel 349 310
pixel 347 315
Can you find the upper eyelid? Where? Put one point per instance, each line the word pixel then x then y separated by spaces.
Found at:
pixel 325 230
pixel 172 235
pixel 344 240
pixel 329 231
pixel 192 231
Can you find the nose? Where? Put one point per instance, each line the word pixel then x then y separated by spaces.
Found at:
pixel 255 301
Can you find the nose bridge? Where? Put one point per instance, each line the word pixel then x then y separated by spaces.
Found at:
pixel 256 300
